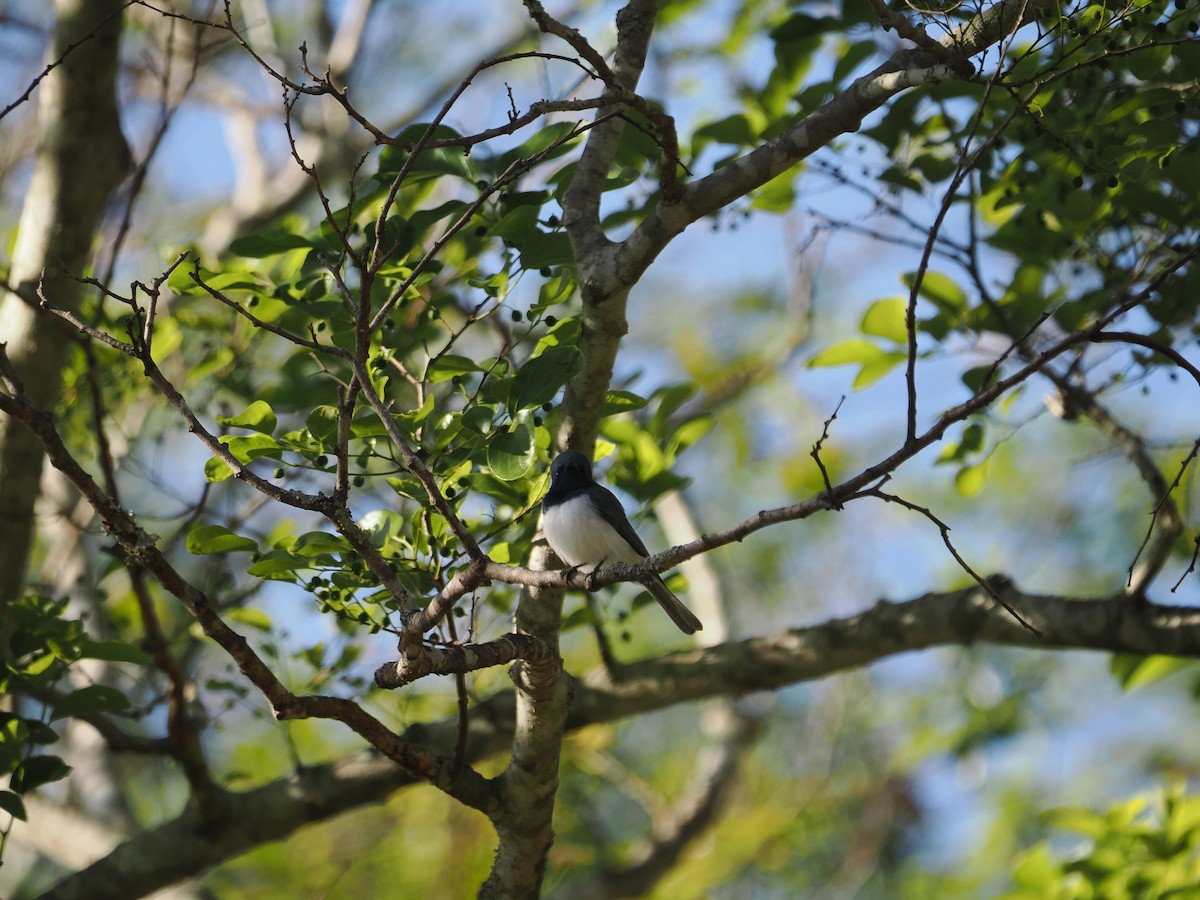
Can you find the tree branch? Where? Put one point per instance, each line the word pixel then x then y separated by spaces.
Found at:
pixel 462 658
pixel 965 617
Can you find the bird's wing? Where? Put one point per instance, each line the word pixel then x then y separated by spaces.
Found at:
pixel 609 507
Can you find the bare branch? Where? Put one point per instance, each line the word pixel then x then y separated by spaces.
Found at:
pixel 51 66
pixel 945 532
pixel 1132 337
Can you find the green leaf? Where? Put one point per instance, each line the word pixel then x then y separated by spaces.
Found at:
pixel 95 698
pixel 547 249
pixel 974 378
pixel 317 543
pixel 38 770
pixel 735 129
pixel 873 362
pixel 622 401
pixel 885 319
pixel 275 563
pixel 875 369
pixel 268 243
pixel 112 651
pixel 517 225
pixel 11 804
pixel 322 424
pixel 1133 671
pixel 544 137
pixel 541 378
pixel 448 366
pixel 206 539
pixel 254 618
pixel 800 26
pixel 258 416
pixel 216 470
pixel 383 524
pixel 940 290
pixel 511 454
pixel 853 350
pixel 1037 869
pixel 430 163
pixel 852 58
pixel 252 446
pixel 776 196
pixel 970 480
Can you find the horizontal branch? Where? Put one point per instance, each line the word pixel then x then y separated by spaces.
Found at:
pixel 188 844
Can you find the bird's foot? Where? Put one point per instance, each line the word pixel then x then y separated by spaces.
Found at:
pixel 591 578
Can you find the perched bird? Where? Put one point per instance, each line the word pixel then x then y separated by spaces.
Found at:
pixel 586 525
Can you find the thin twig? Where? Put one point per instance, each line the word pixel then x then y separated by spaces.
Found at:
pixel 945 532
pixel 834 502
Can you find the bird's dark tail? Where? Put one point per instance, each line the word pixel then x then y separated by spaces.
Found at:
pixel 685 620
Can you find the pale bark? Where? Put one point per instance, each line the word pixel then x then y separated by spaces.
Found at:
pixel 543 699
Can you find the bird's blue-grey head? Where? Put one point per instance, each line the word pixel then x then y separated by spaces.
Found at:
pixel 570 469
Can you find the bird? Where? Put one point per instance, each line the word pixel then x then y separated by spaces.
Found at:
pixel 586 525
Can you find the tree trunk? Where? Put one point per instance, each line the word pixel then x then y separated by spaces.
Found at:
pixel 81 158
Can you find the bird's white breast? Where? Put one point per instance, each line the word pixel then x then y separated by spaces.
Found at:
pixel 581 537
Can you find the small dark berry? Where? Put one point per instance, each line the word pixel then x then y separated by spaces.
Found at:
pixel 551 321
pixel 516 315
pixel 545 271
pixel 322 460
pixel 359 481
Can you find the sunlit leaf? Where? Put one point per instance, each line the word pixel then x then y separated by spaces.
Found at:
pixel 886 319
pixel 258 416
pixel 206 539
pixel 1133 671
